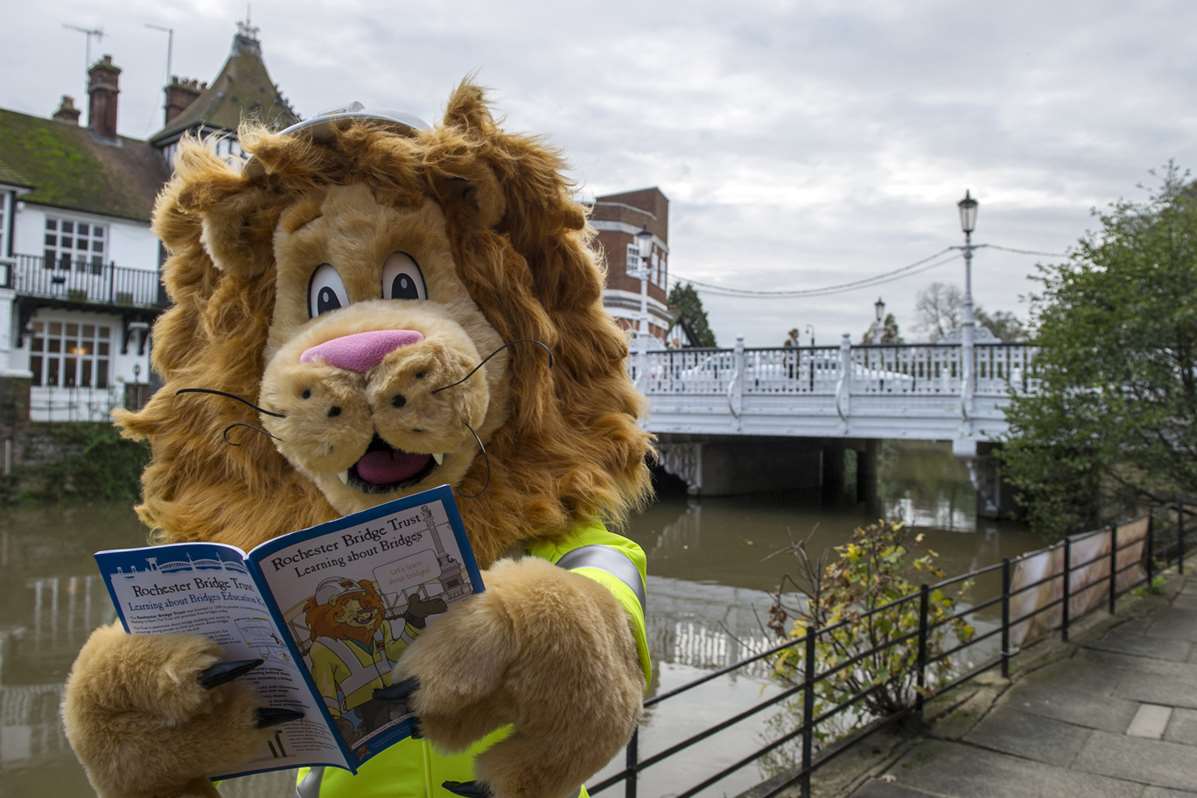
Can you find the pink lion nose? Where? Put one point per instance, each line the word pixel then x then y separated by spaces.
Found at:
pixel 362 351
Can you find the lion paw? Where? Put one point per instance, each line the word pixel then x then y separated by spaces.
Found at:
pixel 542 649
pixel 158 714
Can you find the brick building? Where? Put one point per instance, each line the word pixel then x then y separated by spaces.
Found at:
pixel 618 218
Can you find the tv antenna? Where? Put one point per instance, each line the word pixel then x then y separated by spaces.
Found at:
pixel 98 33
pixel 170 45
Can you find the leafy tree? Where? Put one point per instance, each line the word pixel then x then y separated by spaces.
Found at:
pixel 1003 324
pixel 1117 400
pixel 687 309
pixel 890 334
pixel 874 569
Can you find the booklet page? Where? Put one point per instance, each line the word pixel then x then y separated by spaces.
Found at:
pixel 354 593
pixel 206 589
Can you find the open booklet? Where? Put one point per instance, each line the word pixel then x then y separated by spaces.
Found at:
pixel 329 609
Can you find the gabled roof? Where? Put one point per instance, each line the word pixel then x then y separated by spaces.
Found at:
pixel 242 87
pixel 11 177
pixel 66 166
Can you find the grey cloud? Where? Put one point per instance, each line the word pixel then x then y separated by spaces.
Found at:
pixel 801 143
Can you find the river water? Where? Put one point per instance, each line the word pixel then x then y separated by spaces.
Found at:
pixel 712 562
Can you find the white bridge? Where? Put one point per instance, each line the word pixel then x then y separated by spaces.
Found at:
pixel 937 392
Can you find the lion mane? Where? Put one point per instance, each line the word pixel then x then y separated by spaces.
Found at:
pixel 322 618
pixel 571 448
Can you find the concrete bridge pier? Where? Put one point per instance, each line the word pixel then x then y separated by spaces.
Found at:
pixel 849 469
pixel 995 494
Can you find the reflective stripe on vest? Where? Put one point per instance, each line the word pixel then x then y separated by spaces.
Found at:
pixel 360 676
pixel 309 785
pixel 609 560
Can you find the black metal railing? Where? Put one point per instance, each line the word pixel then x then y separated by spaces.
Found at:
pixel 1158 545
pixel 86 281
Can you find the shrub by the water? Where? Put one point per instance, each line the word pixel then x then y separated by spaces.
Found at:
pixel 878 566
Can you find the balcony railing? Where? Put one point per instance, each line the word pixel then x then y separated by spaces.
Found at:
pixel 86 282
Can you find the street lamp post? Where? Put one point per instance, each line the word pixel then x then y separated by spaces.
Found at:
pixel 810 330
pixel 879 308
pixel 968 223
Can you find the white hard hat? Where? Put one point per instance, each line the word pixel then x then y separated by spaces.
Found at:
pixel 320 127
pixel 334 587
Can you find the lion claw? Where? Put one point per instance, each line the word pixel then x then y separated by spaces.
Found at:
pixel 224 672
pixel 273 716
pixel 398 691
pixel 467 789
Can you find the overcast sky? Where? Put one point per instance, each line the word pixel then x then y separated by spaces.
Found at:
pixel 801 144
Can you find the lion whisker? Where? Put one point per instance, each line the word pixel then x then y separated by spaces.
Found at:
pixel 472 371
pixel 254 427
pixel 486 460
pixel 228 395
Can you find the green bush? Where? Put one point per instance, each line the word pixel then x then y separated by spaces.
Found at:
pixel 96 463
pixel 875 568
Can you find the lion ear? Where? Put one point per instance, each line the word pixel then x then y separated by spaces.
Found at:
pixel 237 233
pixel 467 111
pixel 208 200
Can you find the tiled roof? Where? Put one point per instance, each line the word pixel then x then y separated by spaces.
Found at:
pixel 67 166
pixel 243 87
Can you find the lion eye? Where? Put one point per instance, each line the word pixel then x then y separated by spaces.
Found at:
pixel 402 278
pixel 326 291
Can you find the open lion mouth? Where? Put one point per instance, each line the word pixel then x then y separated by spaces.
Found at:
pixel 384 468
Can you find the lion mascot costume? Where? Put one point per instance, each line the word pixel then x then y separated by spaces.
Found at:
pixel 383 294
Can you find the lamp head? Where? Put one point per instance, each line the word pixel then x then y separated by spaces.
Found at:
pixel 644 241
pixel 968 213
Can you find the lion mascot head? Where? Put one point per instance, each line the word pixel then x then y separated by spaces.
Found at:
pixel 343 609
pixel 381 294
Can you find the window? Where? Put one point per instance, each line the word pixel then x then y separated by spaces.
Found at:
pixel 71 243
pixel 70 354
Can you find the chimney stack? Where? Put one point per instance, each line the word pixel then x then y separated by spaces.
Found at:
pixel 103 86
pixel 67 112
pixel 181 93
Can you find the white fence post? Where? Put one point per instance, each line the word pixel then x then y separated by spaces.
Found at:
pixel 843 389
pixel 735 391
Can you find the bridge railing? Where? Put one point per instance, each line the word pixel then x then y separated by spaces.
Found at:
pixel 909 369
pixel 999 366
pixel 792 370
pixel 897 369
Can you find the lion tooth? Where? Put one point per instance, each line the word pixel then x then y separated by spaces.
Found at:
pixel 439 457
pixel 344 477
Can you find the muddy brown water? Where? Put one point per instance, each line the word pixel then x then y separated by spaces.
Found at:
pixel 709 573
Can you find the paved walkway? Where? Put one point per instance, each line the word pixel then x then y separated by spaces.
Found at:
pixel 1117 719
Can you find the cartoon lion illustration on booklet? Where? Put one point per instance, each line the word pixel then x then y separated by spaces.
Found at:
pixel 369 308
pixel 354 650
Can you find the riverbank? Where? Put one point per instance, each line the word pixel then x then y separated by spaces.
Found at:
pixel 1112 713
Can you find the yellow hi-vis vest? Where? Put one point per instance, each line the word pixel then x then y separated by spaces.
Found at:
pixel 412 768
pixel 345 686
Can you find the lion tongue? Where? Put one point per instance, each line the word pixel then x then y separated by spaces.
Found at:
pixel 386 467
